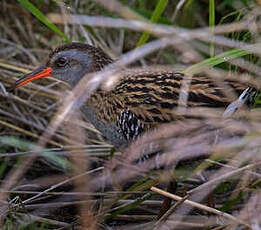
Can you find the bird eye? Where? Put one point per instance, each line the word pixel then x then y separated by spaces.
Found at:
pixel 62 61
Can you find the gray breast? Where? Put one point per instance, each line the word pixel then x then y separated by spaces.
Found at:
pixel 110 130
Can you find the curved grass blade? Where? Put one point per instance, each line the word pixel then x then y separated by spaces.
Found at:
pixel 128 206
pixel 27 146
pixel 41 17
pixel 154 18
pixel 221 58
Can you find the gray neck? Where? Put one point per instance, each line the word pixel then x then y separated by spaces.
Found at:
pixel 110 130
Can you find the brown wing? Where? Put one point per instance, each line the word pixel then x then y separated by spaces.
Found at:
pixel 143 100
pixel 153 97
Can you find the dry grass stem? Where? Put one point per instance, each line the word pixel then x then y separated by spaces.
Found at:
pixel 197 205
pixel 57 171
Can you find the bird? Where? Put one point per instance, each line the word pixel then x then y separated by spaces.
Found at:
pixel 139 101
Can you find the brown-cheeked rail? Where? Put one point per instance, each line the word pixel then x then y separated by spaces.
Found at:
pixel 138 101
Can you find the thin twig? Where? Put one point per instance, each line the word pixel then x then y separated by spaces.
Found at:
pixel 197 205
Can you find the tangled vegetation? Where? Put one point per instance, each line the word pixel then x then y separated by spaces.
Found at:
pixel 58 172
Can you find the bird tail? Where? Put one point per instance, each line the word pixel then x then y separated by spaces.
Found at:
pixel 246 98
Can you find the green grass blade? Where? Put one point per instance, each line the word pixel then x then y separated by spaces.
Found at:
pixel 230 203
pixel 129 206
pixel 3 167
pixel 154 18
pixel 27 146
pixel 212 24
pixel 213 61
pixel 41 17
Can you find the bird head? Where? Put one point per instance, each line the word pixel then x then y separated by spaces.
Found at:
pixel 69 63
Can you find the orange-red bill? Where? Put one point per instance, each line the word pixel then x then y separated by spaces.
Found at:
pixel 41 72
